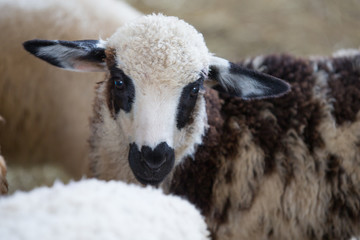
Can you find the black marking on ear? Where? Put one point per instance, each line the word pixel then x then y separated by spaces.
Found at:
pixel 33 47
pixel 274 87
pixel 214 73
pixel 95 53
pixel 68 51
pixel 120 98
pixel 187 103
pixel 246 83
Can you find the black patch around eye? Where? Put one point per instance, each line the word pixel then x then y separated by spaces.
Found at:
pixel 121 91
pixel 187 103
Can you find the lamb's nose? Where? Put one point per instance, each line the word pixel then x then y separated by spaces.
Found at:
pixel 154 159
pixel 151 166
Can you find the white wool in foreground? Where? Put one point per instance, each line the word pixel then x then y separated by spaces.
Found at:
pixel 93 209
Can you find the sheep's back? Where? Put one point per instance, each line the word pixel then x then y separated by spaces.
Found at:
pixel 282 168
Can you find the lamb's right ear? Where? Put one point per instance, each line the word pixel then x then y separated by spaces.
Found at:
pixel 245 83
pixel 82 56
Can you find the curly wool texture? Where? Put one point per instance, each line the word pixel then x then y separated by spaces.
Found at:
pixel 93 209
pixel 283 168
pixel 160 47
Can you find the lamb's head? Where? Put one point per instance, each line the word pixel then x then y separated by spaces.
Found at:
pixel 153 96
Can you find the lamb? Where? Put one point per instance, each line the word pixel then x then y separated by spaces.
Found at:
pixel 171 114
pixel 93 209
pixel 47 111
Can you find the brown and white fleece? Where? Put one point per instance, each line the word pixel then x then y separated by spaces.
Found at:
pixel 285 168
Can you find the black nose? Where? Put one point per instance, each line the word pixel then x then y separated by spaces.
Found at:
pixel 151 166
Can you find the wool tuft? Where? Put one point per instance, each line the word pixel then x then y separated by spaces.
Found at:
pixel 94 209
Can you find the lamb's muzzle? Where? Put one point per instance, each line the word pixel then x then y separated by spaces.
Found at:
pixel 151 166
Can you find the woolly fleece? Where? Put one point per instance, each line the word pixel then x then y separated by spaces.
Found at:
pixel 157 48
pixel 93 209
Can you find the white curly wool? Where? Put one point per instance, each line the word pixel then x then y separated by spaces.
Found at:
pixel 156 49
pixel 93 209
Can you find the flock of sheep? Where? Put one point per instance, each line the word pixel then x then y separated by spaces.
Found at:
pixel 266 148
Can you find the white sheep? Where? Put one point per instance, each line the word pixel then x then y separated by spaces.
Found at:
pixel 94 209
pixel 283 168
pixel 47 111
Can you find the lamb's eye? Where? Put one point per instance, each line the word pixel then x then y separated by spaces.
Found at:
pixel 194 91
pixel 119 84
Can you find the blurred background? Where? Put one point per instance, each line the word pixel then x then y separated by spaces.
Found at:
pixel 239 28
pixel 236 29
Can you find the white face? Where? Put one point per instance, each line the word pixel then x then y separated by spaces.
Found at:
pixel 163 73
pixel 155 113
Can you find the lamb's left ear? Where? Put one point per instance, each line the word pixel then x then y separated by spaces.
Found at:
pixel 242 82
pixel 82 56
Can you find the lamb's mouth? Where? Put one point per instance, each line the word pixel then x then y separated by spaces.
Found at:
pixel 149 181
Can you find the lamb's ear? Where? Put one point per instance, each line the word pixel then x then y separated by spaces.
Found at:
pixel 83 56
pixel 242 82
